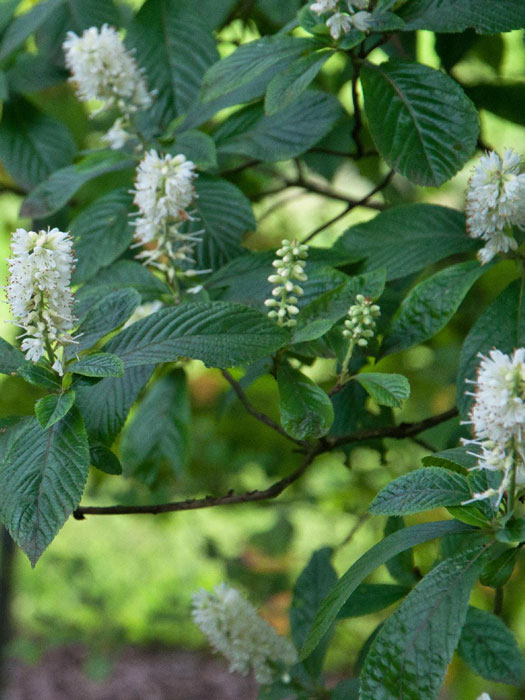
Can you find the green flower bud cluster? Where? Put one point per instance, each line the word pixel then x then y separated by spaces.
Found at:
pixel 289 265
pixel 360 324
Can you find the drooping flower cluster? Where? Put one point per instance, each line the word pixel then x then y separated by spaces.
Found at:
pixel 39 292
pixel 497 418
pixel 495 201
pixel 163 192
pixel 104 70
pixel 290 264
pixel 341 21
pixel 234 628
pixel 360 324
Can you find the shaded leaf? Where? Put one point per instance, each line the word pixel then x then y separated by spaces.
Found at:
pixel 104 459
pixel 385 389
pixel 484 16
pixel 369 598
pixel 99 364
pixel 50 409
pixel 10 358
pixel 288 84
pixel 111 312
pixel 306 410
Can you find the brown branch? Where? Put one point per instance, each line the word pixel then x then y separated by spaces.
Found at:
pixel 401 431
pixel 254 412
pixel 228 499
pixel 352 205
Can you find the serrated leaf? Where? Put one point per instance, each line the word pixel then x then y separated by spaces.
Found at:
pixel 430 305
pixel 252 60
pixel 55 192
pixel 286 134
pixel 99 364
pixel 385 389
pixel 389 547
pixel 408 238
pixel 197 147
pixel 101 233
pixel 346 690
pixel 419 490
pixel 105 405
pixel 226 215
pixel 174 46
pixel 288 84
pixel 125 274
pixel 32 144
pixel 219 334
pixel 39 375
pixel 306 410
pixel 422 122
pixel 490 649
pixel 10 358
pixel 502 326
pixel 42 477
pixel 485 16
pixel 458 459
pixel 312 586
pixel 111 312
pixel 50 409
pixel 104 459
pixel 369 598
pixel 409 657
pixel 156 444
pixel 497 572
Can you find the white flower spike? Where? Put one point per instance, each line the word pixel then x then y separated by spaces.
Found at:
pixel 290 264
pixel 234 628
pixel 39 292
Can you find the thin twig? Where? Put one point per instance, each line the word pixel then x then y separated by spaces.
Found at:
pixel 352 205
pixel 228 499
pixel 254 412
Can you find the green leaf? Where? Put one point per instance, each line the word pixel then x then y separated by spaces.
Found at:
pixel 502 326
pixel 490 649
pixel 32 144
pixel 290 132
pixel 226 215
pixel 42 477
pixel 409 657
pixel 288 84
pixel 376 556
pixel 408 238
pixel 401 566
pixel 174 46
pixel 219 334
pixel 26 24
pixel 105 405
pixel 99 364
pixel 252 60
pixel 10 358
pixel 422 122
pixel 322 313
pixel 385 389
pixel 39 375
pixel 514 531
pixel 312 586
pixel 497 572
pixel 111 312
pixel 55 192
pixel 346 690
pixel 419 490
pixel 157 443
pixel 485 16
pixel 101 233
pixel 197 147
pixel 125 274
pixel 457 459
pixel 104 459
pixel 306 410
pixel 51 409
pixel 501 99
pixel 430 305
pixel 369 598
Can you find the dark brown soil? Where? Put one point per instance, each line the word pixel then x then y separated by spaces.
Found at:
pixel 137 674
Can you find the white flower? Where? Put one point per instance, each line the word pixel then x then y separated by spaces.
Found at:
pixel 362 21
pixel 484 696
pixel 103 69
pixel 495 201
pixel 322 6
pixel 234 628
pixel 289 264
pixel 163 192
pixel 117 136
pixel 39 291
pixel 360 324
pixel 497 417
pixel 339 23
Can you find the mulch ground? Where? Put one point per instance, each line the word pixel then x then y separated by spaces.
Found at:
pixel 137 674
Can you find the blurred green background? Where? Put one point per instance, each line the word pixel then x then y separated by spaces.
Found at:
pixel 110 582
